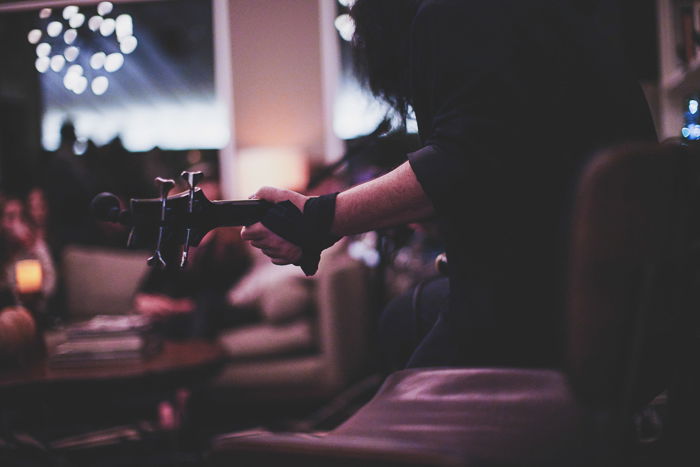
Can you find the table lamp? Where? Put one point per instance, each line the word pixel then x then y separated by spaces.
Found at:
pixel 280 167
pixel 28 276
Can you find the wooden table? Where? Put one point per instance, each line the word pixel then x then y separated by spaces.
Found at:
pixel 177 360
pixel 110 392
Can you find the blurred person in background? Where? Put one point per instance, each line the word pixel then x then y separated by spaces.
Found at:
pixel 69 187
pixel 21 239
pixel 38 211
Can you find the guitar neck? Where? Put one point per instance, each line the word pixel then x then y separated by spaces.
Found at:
pixel 237 213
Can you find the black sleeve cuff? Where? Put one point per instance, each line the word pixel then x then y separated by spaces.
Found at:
pixel 438 173
pixel 311 231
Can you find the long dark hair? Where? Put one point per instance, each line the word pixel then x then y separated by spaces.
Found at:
pixel 381 48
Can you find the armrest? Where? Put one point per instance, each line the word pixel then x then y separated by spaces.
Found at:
pixel 320 450
pixel 342 300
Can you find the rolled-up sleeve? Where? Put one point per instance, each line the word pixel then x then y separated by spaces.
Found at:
pixel 436 172
pixel 461 65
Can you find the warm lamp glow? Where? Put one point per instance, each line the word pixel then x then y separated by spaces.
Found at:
pixel 28 276
pixel 281 167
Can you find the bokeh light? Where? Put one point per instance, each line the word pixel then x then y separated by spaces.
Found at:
pixel 100 85
pixel 69 36
pixel 114 62
pixel 97 60
pixel 345 26
pixel 42 64
pixel 104 8
pixel 69 11
pixel 77 20
pixel 75 70
pixel 54 28
pixel 80 146
pixel 71 53
pixel 34 36
pixel 148 97
pixel 107 27
pixel 128 44
pixel 81 85
pixel 68 22
pixel 57 62
pixel 74 79
pixel 43 49
pixel 124 26
pixel 95 22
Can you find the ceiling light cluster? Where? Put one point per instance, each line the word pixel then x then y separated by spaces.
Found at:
pixel 68 38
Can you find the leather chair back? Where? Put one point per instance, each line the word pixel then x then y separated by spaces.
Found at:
pixel 631 272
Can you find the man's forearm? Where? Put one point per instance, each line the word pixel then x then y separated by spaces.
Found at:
pixel 392 199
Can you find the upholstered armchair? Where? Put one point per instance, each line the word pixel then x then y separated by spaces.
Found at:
pixel 312 340
pixel 314 336
pixel 632 334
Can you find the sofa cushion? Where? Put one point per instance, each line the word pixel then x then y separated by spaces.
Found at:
pixel 442 417
pixel 286 300
pixel 286 377
pixel 501 416
pixel 266 340
pixel 101 281
pixel 281 293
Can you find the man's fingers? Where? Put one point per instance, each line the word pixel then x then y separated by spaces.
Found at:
pixel 280 262
pixel 277 195
pixel 279 250
pixel 271 251
pixel 267 244
pixel 281 256
pixel 272 194
pixel 256 231
pixel 259 245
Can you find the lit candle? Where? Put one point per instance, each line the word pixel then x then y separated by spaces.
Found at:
pixel 28 276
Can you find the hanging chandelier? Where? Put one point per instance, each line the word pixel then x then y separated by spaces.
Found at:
pixel 84 45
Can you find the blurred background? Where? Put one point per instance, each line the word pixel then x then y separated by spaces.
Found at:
pixel 100 96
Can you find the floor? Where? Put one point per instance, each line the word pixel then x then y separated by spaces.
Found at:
pixel 158 434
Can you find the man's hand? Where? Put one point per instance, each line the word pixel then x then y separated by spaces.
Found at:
pixel 279 250
pixel 277 195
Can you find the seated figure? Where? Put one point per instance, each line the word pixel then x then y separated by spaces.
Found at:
pixel 20 239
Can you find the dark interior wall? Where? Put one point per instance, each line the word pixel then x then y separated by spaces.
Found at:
pixel 631 25
pixel 639 32
pixel 20 103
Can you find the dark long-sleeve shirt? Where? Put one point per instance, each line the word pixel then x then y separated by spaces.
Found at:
pixel 511 97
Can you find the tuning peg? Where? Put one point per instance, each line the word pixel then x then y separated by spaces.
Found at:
pixel 166 184
pixel 157 259
pixel 192 179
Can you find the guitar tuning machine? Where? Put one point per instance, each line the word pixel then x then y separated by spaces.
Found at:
pixel 166 184
pixel 192 179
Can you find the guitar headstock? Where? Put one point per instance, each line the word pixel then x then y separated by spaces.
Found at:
pixel 172 223
pixel 145 219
